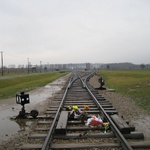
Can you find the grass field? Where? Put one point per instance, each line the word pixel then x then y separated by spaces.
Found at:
pixel 135 84
pixel 10 86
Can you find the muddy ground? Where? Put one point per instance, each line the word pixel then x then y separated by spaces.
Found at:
pixel 40 99
pixel 15 133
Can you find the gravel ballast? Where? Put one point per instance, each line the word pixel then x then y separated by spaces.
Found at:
pixel 125 106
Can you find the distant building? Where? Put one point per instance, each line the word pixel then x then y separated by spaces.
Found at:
pixel 88 66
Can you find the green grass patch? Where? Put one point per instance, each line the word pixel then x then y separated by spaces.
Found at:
pixel 135 84
pixel 10 86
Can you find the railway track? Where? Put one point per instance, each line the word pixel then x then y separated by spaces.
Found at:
pixel 57 130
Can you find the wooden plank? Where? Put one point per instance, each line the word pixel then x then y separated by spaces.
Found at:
pixel 84 136
pixel 84 145
pixel 87 134
pixel 44 122
pixel 92 105
pixel 41 129
pixel 110 112
pixel 75 122
pixel 134 135
pixel 31 147
pixel 79 103
pixel 37 136
pixel 107 106
pixel 109 109
pixel 85 128
pixel 99 145
pixel 100 99
pixel 121 124
pixel 45 117
pixel 143 144
pixel 98 111
pixel 62 123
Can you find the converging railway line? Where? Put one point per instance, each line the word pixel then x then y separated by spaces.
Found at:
pixel 63 128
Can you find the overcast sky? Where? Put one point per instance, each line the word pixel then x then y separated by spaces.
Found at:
pixel 75 31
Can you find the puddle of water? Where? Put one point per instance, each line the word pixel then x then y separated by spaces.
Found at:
pixel 9 109
pixel 7 127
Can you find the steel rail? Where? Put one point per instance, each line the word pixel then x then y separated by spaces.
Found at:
pixel 73 79
pixel 83 83
pixel 48 139
pixel 84 78
pixel 118 134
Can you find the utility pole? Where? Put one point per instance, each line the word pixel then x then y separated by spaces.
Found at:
pixel 40 66
pixel 28 65
pixel 2 62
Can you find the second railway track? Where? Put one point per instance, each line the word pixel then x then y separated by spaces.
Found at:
pixel 55 130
